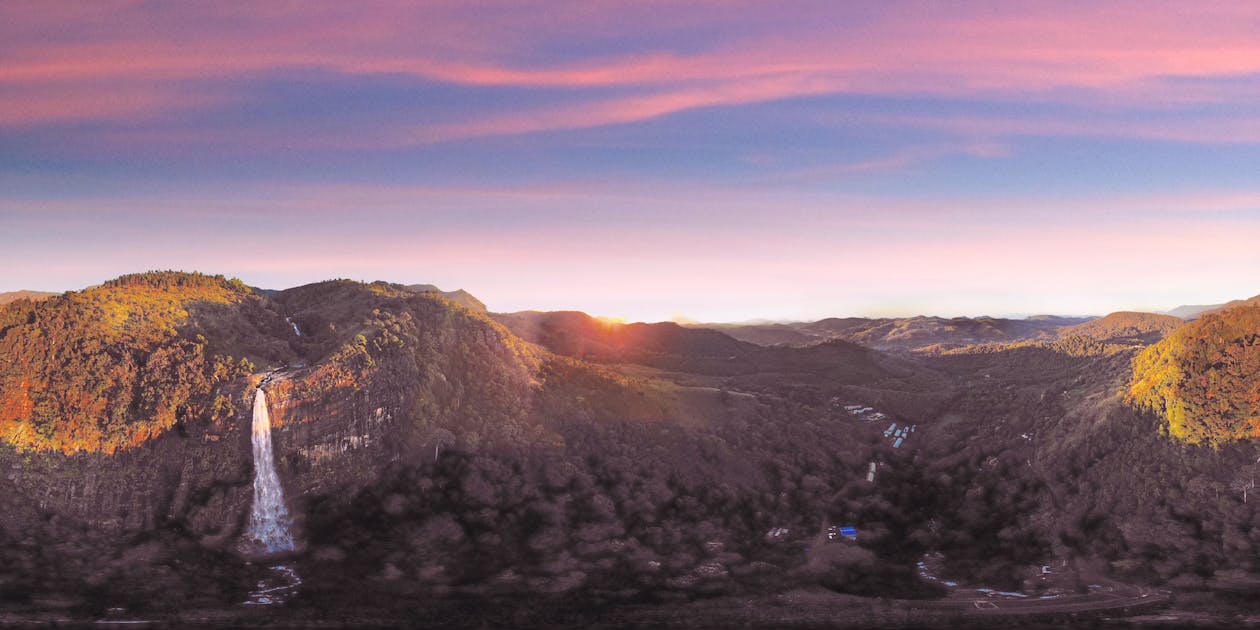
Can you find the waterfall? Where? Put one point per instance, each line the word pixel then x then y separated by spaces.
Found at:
pixel 297 331
pixel 268 520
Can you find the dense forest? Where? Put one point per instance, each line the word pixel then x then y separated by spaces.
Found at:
pixel 1202 378
pixel 110 367
pixel 432 452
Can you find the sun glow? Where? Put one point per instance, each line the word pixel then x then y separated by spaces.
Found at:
pixel 611 322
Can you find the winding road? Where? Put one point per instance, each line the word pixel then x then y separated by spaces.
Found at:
pixel 1108 595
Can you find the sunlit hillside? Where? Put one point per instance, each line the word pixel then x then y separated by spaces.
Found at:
pixel 109 367
pixel 1202 379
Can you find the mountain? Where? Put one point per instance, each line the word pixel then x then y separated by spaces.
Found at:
pixel 12 296
pixel 1125 327
pixel 448 465
pixel 582 336
pixel 765 334
pixel 1201 379
pixel 1192 311
pixel 907 334
pixel 1189 312
pixel 673 347
pixel 412 436
pixel 108 367
pixel 458 296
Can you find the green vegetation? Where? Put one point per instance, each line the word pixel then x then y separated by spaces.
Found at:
pixel 1202 379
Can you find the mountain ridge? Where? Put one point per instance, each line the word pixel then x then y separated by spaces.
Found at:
pixel 25 294
pixel 435 453
pixel 1191 312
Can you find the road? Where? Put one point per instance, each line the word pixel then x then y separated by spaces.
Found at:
pixel 1106 596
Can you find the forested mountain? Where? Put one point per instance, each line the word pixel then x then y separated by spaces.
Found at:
pixel 416 437
pixel 670 346
pixel 1125 327
pixel 458 296
pixel 1202 379
pixel 925 334
pixel 109 367
pixel 1192 311
pixel 433 453
pixel 1189 312
pixel 34 296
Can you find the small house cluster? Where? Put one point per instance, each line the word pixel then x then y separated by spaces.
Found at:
pixel 899 435
pixel 868 414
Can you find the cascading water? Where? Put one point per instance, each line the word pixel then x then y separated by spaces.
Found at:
pixel 268 519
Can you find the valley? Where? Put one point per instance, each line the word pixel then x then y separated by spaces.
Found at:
pixel 444 463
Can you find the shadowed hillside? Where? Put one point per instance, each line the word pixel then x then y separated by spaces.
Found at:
pixel 669 346
pixel 904 334
pixel 1125 328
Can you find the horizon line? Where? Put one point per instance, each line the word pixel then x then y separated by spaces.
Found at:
pixel 684 320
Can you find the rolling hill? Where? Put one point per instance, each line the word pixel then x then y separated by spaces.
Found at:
pixel 13 296
pixel 676 348
pixel 1125 327
pixel 458 296
pixel 902 335
pixel 1190 312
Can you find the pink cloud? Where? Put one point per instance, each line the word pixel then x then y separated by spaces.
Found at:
pixel 36 104
pixel 1104 51
pixel 1233 129
pixel 696 253
pixel 629 109
pixel 897 161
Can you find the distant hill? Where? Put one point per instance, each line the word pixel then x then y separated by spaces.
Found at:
pixel 1125 327
pixel 904 334
pixel 670 346
pixel 1201 379
pixel 458 296
pixel 765 334
pixel 13 296
pixel 582 336
pixel 1189 312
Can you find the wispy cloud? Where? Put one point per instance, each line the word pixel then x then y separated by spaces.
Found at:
pixel 546 153
pixel 893 162
pixel 1101 52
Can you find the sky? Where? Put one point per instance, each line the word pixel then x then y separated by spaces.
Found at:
pixel 715 161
